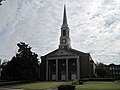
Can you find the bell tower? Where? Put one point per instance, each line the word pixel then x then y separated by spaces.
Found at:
pixel 64 38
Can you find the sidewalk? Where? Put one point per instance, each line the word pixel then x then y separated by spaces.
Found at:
pixel 9 89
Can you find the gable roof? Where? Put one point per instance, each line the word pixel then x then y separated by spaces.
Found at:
pixel 70 51
pixel 78 52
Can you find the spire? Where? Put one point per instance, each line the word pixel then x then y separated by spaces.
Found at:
pixel 64 38
pixel 64 18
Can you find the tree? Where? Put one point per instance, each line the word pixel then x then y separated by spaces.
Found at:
pixel 23 66
pixel 3 68
pixel 101 70
pixel 1 1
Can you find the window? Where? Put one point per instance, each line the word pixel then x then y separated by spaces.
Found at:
pixel 110 73
pixel 110 68
pixel 113 73
pixel 64 32
pixel 113 68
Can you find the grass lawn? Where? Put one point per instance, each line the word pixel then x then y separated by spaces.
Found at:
pixel 38 85
pixel 92 85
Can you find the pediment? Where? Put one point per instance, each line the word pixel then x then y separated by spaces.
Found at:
pixel 61 52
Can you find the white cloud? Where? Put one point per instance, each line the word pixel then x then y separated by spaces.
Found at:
pixel 94 26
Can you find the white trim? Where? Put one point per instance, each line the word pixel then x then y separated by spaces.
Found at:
pixel 46 69
pixel 63 57
pixel 56 69
pixel 67 69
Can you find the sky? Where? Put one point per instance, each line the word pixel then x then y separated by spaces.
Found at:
pixel 94 27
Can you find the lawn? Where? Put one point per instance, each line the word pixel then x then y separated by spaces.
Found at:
pixel 90 85
pixel 38 85
pixel 99 86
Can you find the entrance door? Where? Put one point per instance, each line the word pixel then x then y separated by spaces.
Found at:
pixel 63 77
pixel 53 77
pixel 73 76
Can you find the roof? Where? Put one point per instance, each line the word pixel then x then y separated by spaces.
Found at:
pixel 69 50
pixel 78 52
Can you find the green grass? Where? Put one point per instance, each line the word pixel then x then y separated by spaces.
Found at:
pixel 99 86
pixel 38 85
pixel 90 85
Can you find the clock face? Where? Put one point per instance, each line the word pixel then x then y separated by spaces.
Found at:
pixel 64 41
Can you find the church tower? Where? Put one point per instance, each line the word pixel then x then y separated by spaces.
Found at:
pixel 66 63
pixel 64 38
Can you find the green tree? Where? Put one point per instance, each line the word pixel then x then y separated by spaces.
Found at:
pixel 23 66
pixel 101 70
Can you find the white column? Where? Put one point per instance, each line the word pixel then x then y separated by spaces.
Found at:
pixel 46 69
pixel 56 69
pixel 78 68
pixel 67 69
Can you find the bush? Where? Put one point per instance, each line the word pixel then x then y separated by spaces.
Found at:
pixel 97 79
pixel 66 87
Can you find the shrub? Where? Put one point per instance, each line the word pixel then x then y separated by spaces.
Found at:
pixel 66 87
pixel 97 79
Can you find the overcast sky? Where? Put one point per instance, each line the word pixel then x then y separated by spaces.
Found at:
pixel 94 27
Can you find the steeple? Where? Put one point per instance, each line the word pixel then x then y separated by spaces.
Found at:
pixel 64 38
pixel 64 18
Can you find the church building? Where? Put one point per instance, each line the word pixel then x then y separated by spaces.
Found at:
pixel 65 63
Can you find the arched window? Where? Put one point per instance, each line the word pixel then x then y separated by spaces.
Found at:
pixel 64 32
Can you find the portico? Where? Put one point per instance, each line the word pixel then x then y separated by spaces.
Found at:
pixel 63 68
